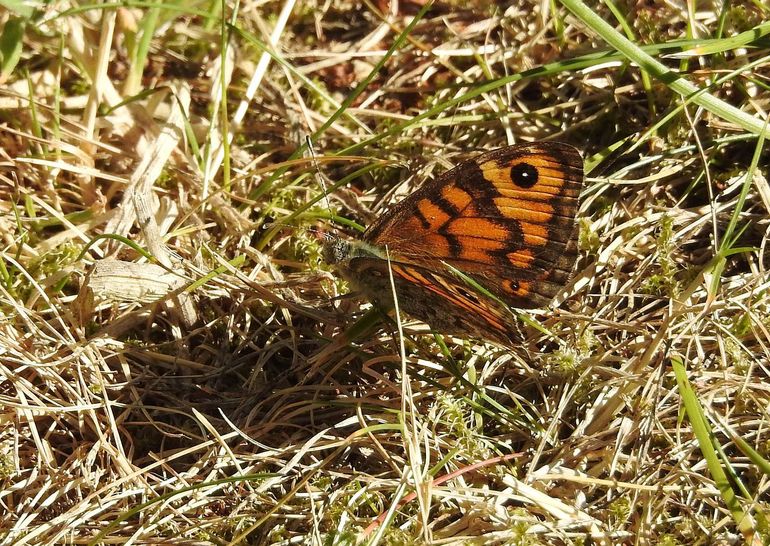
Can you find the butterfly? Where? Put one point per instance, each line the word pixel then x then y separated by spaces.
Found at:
pixel 493 233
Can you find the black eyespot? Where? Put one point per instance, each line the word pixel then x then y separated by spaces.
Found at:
pixel 524 175
pixel 514 285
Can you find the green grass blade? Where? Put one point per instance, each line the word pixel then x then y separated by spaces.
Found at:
pixel 658 70
pixel 707 443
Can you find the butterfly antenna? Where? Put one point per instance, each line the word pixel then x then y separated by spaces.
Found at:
pixel 321 179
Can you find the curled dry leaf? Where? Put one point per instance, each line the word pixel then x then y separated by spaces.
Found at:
pixel 120 281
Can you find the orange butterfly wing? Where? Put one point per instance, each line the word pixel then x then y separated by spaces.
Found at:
pixel 440 300
pixel 505 218
pixel 496 231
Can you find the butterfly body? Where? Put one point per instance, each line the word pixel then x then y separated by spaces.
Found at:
pixel 495 232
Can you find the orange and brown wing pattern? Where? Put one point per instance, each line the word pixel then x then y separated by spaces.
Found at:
pixel 505 218
pixel 440 300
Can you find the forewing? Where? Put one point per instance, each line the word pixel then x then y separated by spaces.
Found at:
pixel 505 218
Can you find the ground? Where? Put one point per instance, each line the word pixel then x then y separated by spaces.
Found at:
pixel 179 366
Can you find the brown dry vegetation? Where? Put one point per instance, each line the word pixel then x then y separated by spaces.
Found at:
pixel 175 367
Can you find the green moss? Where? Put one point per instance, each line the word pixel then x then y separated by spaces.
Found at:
pixel 665 281
pixel 668 540
pixel 737 356
pixel 398 537
pixel 619 512
pixel 463 424
pixel 740 18
pixel 588 239
pixel 520 535
pixel 7 468
pixel 566 360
